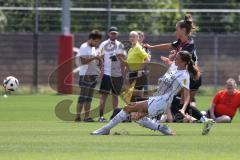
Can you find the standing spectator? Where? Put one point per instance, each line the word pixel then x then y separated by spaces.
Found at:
pixel 88 74
pixel 113 70
pixel 225 103
pixel 136 60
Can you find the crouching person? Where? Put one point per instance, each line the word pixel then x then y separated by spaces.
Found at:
pixel 225 103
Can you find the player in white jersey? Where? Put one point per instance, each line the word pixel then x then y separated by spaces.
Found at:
pixel 176 79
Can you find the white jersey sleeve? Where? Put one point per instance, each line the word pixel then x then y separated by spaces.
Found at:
pixel 185 80
pixel 79 53
pixel 83 51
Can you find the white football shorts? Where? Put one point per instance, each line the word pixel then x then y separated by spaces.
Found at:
pixel 156 105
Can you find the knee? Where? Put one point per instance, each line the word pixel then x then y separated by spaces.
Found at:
pixel 224 119
pixel 102 100
pixel 227 119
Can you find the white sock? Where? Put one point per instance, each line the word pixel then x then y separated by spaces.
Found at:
pixel 203 119
pixel 148 123
pixel 121 116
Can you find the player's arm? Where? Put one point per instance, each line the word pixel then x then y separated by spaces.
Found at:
pixel 192 96
pixel 172 55
pixel 212 110
pixel 146 61
pixel 86 60
pixel 161 47
pixel 186 95
pixel 145 55
pixel 121 56
pixel 213 106
pixel 122 59
pixel 166 61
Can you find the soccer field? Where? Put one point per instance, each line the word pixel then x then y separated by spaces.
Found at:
pixel 29 129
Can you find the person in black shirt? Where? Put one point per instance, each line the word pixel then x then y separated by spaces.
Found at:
pixel 184 30
pixel 187 46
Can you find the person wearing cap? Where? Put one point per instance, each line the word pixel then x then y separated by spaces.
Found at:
pixel 113 70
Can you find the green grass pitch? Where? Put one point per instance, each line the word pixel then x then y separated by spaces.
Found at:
pixel 29 129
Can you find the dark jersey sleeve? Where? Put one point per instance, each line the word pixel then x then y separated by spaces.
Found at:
pixel 175 44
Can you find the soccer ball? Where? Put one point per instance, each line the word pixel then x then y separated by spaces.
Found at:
pixel 10 83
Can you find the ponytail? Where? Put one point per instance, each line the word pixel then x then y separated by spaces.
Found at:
pixel 188 24
pixel 193 70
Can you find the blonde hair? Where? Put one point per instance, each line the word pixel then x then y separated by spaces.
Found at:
pixel 134 33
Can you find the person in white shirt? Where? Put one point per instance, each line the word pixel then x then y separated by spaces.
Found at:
pixel 88 73
pixel 176 79
pixel 113 70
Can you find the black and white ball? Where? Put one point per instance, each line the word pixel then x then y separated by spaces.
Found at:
pixel 10 83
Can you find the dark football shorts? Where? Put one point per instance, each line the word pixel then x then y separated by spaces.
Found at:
pixel 111 84
pixel 175 107
pixel 87 84
pixel 140 81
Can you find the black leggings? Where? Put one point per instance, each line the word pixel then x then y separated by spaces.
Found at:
pixel 177 116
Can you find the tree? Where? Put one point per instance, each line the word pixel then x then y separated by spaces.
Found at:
pixel 3 21
pixel 84 21
pixel 215 22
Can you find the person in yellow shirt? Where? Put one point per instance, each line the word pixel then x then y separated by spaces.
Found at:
pixel 135 63
pixel 137 56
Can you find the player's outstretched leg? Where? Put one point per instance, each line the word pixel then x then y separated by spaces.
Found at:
pixel 140 107
pixel 150 124
pixel 105 130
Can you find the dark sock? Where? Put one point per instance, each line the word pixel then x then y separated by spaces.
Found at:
pixel 194 112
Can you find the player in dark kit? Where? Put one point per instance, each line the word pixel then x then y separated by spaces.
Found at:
pixel 184 30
